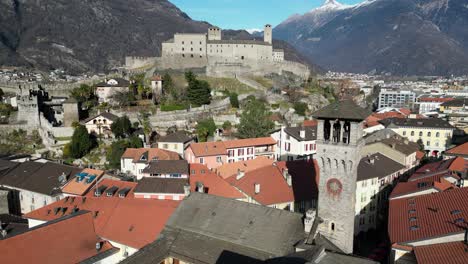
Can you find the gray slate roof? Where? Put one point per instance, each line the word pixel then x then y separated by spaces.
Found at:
pixel 404 146
pixel 456 103
pixel 167 167
pixel 382 167
pixel 416 122
pixel 343 110
pixel 107 115
pixel 295 132
pixel 211 229
pixel 38 177
pixel 178 137
pixel 379 135
pixel 161 185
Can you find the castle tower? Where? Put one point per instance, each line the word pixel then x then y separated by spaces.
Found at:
pixel 339 143
pixel 214 33
pixel 71 112
pixel 268 34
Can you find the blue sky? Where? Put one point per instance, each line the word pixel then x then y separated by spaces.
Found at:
pixel 247 14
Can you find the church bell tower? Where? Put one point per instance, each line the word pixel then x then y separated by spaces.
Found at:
pixel 339 143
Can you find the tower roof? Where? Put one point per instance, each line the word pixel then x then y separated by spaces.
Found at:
pixel 342 109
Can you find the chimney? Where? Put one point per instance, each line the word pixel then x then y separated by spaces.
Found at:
pixel 289 180
pixel 302 133
pixel 285 173
pixel 200 187
pixel 393 145
pixel 186 190
pixel 240 174
pixel 257 188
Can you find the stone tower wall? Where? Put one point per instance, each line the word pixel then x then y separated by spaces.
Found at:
pixel 70 114
pixel 338 161
pixel 268 34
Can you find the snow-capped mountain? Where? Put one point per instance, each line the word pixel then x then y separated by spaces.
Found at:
pixel 406 37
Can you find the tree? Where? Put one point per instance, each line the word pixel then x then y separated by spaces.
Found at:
pixel 116 151
pixel 124 98
pixel 135 142
pixel 301 108
pixel 255 120
pixel 205 128
pixel 84 94
pixel 421 144
pixel 82 142
pixel 2 94
pixel 198 92
pixel 122 127
pixel 234 100
pixel 227 125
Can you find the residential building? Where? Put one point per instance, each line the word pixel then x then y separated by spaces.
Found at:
pixel 166 169
pixel 68 239
pixel 106 90
pixel 396 98
pixel 295 143
pixel 425 220
pixel 456 112
pixel 376 175
pixel 37 184
pixel 400 150
pixel 176 142
pixel 431 104
pixel 456 167
pixel 162 188
pixel 135 160
pixel 435 134
pixel 100 124
pixel 127 224
pixel 214 154
pixel 82 182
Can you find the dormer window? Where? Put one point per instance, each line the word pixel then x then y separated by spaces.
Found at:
pixel 142 157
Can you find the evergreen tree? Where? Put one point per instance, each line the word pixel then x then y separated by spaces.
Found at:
pixel 116 151
pixel 82 142
pixel 234 100
pixel 122 127
pixel 198 92
pixel 205 128
pixel 255 120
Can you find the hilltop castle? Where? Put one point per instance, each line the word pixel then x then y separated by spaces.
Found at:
pixel 222 57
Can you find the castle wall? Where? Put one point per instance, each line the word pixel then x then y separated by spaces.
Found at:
pixel 185 46
pixel 138 62
pixel 237 52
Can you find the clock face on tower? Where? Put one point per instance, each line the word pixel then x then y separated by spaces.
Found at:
pixel 334 186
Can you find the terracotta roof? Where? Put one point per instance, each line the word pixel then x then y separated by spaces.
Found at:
pixel 444 253
pixel 310 122
pixel 167 167
pixel 123 187
pixel 382 166
pixel 249 142
pixel 459 150
pixel 436 182
pixel 428 216
pixel 149 154
pixel 161 185
pixel 431 169
pixel 208 149
pixel 305 178
pixel 420 154
pixel 228 169
pixel 346 109
pixel 81 187
pixel 405 111
pixel 273 186
pixel 212 183
pixel 131 222
pixel 68 240
pixel 459 164
pixel 156 78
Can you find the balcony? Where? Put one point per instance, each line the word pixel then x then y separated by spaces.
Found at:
pixel 264 150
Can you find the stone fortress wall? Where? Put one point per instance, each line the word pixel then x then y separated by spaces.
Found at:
pixel 221 57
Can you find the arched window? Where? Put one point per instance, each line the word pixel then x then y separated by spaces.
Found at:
pixel 437 134
pixel 412 133
pixel 421 134
pixel 428 134
pixel 332 226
